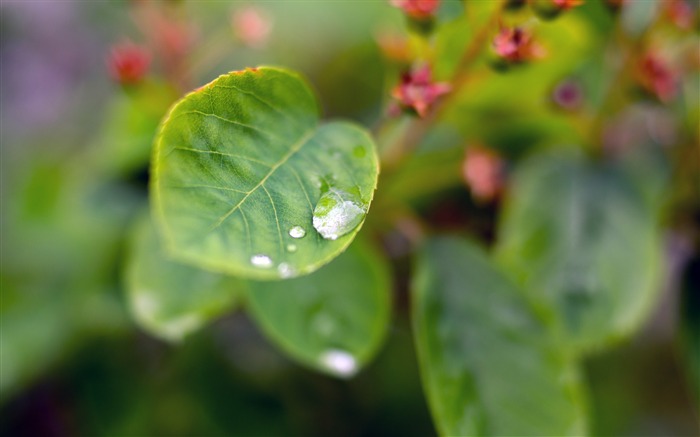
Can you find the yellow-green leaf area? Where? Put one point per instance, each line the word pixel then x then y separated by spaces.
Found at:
pixel 239 167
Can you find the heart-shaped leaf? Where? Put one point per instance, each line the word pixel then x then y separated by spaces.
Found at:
pixel 170 299
pixel 333 319
pixel 246 181
pixel 489 367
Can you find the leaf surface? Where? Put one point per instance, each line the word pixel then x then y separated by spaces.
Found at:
pixel 489 367
pixel 334 319
pixel 242 161
pixel 584 246
pixel 170 299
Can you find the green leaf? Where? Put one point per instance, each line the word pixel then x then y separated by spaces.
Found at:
pixel 334 319
pixel 584 246
pixel 170 299
pixel 242 161
pixel 489 366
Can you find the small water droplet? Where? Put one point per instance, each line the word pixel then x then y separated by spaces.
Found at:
pixel 359 152
pixel 291 248
pixel 261 260
pixel 340 362
pixel 285 270
pixel 297 232
pixel 337 213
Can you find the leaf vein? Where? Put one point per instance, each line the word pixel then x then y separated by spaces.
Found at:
pixel 292 150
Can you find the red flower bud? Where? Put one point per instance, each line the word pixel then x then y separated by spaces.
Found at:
pixel 516 45
pixel 417 91
pixel 128 63
pixel 657 77
pixel 417 9
pixel 251 26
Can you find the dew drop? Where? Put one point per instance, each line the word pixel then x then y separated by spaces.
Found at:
pixel 297 232
pixel 339 362
pixel 291 248
pixel 261 260
pixel 285 270
pixel 337 213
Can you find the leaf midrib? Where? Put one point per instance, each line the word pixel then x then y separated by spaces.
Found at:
pixel 294 149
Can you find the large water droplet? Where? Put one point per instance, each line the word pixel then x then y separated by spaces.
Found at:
pixel 337 213
pixel 285 270
pixel 297 232
pixel 261 260
pixel 340 362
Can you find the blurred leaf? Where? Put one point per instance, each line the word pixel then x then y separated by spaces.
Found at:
pixel 61 237
pixel 170 299
pixel 124 143
pixel 583 245
pixel 488 366
pixel 638 15
pixel 334 319
pixel 241 162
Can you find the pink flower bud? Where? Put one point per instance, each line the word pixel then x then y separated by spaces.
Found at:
pixel 417 91
pixel 251 26
pixel 482 171
pixel 516 45
pixel 128 63
pixel 417 9
pixel 657 77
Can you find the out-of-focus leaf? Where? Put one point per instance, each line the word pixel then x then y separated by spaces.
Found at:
pixel 241 163
pixel 584 247
pixel 334 319
pixel 638 15
pixel 489 366
pixel 124 144
pixel 61 235
pixel 170 299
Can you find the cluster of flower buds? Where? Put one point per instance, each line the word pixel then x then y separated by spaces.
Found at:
pixel 417 91
pixel 514 46
pixel 483 172
pixel 128 63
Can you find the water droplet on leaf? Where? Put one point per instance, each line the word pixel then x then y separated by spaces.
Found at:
pixel 340 362
pixel 261 260
pixel 297 232
pixel 337 213
pixel 285 270
pixel 291 248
